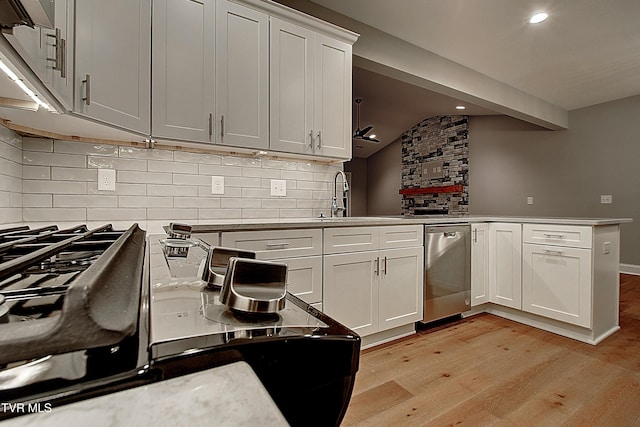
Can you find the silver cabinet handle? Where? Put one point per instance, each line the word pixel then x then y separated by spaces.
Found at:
pixel 475 235
pixel 554 236
pixel 384 266
pixel 551 252
pixel 377 266
pixel 278 245
pixel 87 89
pixel 319 146
pixel 210 125
pixel 60 46
pixel 63 58
pixel 311 140
pixel 222 128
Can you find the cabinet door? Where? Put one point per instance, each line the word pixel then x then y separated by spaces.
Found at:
pixel 401 287
pixel 351 290
pixel 291 77
pixel 59 47
pixel 27 42
pixel 183 69
pixel 242 76
pixel 556 283
pixel 113 58
pixel 304 278
pixel 332 100
pixel 479 264
pixel 505 264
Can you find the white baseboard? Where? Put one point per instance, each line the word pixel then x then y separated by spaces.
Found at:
pixel 630 269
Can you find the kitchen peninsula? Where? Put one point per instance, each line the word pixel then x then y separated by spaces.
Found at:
pixel 556 274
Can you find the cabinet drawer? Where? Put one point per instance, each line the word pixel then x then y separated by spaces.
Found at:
pixel 272 244
pixel 401 236
pixel 338 240
pixel 558 235
pixel 304 278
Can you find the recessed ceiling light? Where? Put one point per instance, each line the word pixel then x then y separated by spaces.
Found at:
pixel 460 107
pixel 538 17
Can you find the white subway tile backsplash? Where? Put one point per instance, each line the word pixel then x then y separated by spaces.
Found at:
pixel 36 172
pixel 206 169
pixel 54 215
pixel 261 173
pixel 279 203
pixel 196 202
pixel 11 168
pixel 121 214
pixel 204 214
pixel 122 189
pixel 45 181
pixel 297 175
pixel 145 202
pixel 53 159
pixel 182 179
pixel 10 215
pixel 231 203
pixel 241 161
pixel 164 166
pixel 89 201
pixel 37 200
pixel 144 177
pixel 172 214
pixel 242 182
pixel 37 144
pixel 116 163
pixel 144 153
pixel 73 174
pixel 171 190
pixel 183 156
pixel 71 147
pixel 53 187
pixel 259 213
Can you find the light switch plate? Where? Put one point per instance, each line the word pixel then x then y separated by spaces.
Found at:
pixel 217 185
pixel 606 199
pixel 529 200
pixel 278 187
pixel 106 180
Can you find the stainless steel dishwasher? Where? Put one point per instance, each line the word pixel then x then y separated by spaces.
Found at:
pixel 447 275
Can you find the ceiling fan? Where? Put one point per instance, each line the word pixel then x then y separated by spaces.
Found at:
pixel 362 133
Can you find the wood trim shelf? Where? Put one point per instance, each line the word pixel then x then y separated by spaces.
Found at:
pixel 432 190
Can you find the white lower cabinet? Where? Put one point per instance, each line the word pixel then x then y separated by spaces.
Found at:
pixel 479 264
pixel 373 290
pixel 505 264
pixel 301 250
pixel 556 283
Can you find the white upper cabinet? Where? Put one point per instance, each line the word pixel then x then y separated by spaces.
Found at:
pixel 113 58
pixel 49 52
pixel 183 69
pixel 242 78
pixel 310 92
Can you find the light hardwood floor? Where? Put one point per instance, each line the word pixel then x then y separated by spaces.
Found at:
pixel 486 370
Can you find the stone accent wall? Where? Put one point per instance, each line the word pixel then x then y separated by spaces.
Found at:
pixel 435 153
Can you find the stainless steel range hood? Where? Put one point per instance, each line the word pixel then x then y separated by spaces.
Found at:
pixel 26 12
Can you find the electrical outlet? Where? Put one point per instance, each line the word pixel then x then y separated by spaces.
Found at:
pixel 278 187
pixel 606 199
pixel 606 248
pixel 217 185
pixel 106 179
pixel 529 200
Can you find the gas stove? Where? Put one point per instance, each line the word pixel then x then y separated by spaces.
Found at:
pixel 87 312
pixel 70 314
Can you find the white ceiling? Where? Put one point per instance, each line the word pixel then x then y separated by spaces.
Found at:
pixel 587 52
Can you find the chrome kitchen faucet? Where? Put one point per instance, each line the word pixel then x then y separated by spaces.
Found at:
pixel 345 188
